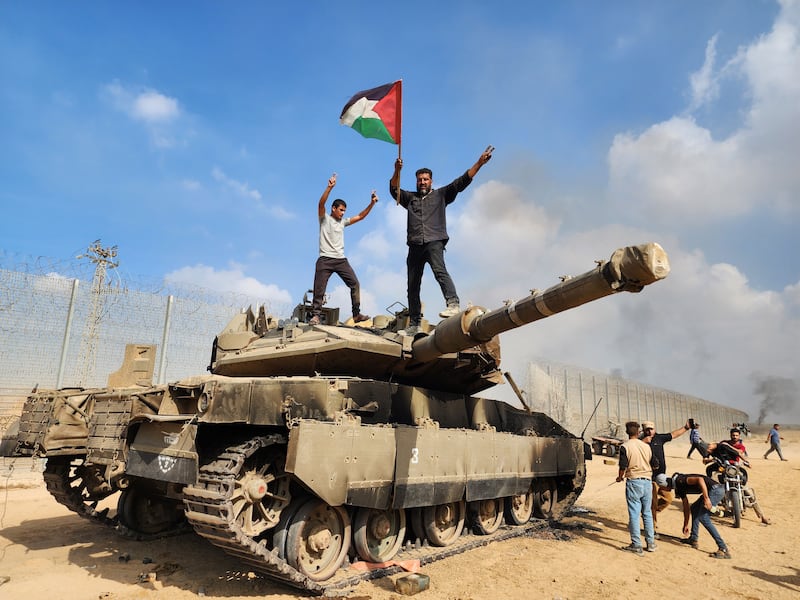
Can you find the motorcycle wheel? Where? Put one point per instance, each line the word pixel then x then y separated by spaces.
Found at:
pixel 736 508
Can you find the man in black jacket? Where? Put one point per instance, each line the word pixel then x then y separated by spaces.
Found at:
pixel 426 232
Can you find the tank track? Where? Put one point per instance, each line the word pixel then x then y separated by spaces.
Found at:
pixel 57 481
pixel 209 510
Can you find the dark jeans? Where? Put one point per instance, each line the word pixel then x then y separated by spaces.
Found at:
pixel 323 271
pixel 431 253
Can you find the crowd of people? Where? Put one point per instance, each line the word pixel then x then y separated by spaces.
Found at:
pixel 649 490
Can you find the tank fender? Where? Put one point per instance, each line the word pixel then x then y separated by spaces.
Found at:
pixel 165 451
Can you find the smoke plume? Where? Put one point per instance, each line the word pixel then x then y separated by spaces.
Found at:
pixel 779 394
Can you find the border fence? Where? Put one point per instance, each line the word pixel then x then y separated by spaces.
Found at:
pixel 570 395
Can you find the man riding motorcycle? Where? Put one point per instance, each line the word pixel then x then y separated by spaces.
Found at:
pixel 739 456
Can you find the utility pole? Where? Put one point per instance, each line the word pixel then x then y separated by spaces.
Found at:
pixel 103 258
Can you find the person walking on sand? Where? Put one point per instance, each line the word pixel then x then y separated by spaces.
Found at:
pixel 774 439
pixel 694 440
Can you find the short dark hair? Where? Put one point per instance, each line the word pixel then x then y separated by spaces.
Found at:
pixel 424 170
pixel 631 427
pixel 339 202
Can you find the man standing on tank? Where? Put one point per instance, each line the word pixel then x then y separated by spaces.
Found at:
pixel 662 497
pixel 331 252
pixel 426 232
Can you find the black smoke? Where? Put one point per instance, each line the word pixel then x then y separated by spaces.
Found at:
pixel 778 395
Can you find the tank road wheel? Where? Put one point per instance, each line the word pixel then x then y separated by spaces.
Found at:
pixel 443 523
pixel 545 496
pixel 281 531
pixel 610 450
pixel 486 516
pixel 75 485
pixel 519 508
pixel 597 447
pixel 378 534
pixel 148 514
pixel 261 491
pixel 318 539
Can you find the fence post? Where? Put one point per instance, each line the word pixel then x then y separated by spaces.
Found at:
pixel 162 363
pixel 67 331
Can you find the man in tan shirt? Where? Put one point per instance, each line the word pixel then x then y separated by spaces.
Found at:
pixel 634 466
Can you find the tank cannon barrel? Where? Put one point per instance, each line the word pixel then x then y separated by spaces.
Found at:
pixel 628 270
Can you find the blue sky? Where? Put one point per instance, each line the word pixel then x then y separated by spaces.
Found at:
pixel 198 137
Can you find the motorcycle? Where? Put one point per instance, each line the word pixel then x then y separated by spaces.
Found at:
pixel 732 475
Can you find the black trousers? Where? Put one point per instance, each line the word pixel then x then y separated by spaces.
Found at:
pixel 322 273
pixel 431 253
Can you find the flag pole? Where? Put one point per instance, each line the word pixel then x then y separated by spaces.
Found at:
pixel 399 118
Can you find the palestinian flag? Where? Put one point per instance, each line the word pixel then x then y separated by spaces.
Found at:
pixel 375 113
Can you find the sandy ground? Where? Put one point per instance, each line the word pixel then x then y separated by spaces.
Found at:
pixel 48 552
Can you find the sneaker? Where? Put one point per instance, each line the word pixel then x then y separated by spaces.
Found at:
pixel 634 549
pixel 412 330
pixel 720 554
pixel 690 542
pixel 314 320
pixel 359 318
pixel 656 536
pixel 451 311
pixel 652 547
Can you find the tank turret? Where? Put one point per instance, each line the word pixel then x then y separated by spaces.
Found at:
pixel 461 354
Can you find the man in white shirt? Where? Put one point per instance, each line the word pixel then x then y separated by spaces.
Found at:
pixel 331 252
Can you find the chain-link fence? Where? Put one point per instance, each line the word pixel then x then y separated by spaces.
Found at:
pixel 59 331
pixel 580 398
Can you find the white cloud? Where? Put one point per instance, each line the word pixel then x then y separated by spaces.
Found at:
pixel 242 189
pixel 232 280
pixel 152 107
pixel 157 111
pixel 191 185
pixel 145 105
pixel 704 86
pixel 676 171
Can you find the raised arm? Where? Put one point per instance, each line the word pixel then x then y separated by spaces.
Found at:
pixel 394 182
pixel 324 198
pixel 680 430
pixel 362 215
pixel 482 160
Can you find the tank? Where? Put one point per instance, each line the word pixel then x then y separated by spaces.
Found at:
pixel 309 450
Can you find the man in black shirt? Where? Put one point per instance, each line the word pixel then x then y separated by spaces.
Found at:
pixel 662 497
pixel 426 232
pixel 711 493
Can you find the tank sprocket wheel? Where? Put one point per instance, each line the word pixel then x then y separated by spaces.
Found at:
pixel 261 491
pixel 318 539
pixel 149 514
pixel 378 534
pixel 519 508
pixel 68 480
pixel 486 516
pixel 444 522
pixel 545 498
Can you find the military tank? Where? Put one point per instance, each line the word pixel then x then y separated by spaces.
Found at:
pixel 310 448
